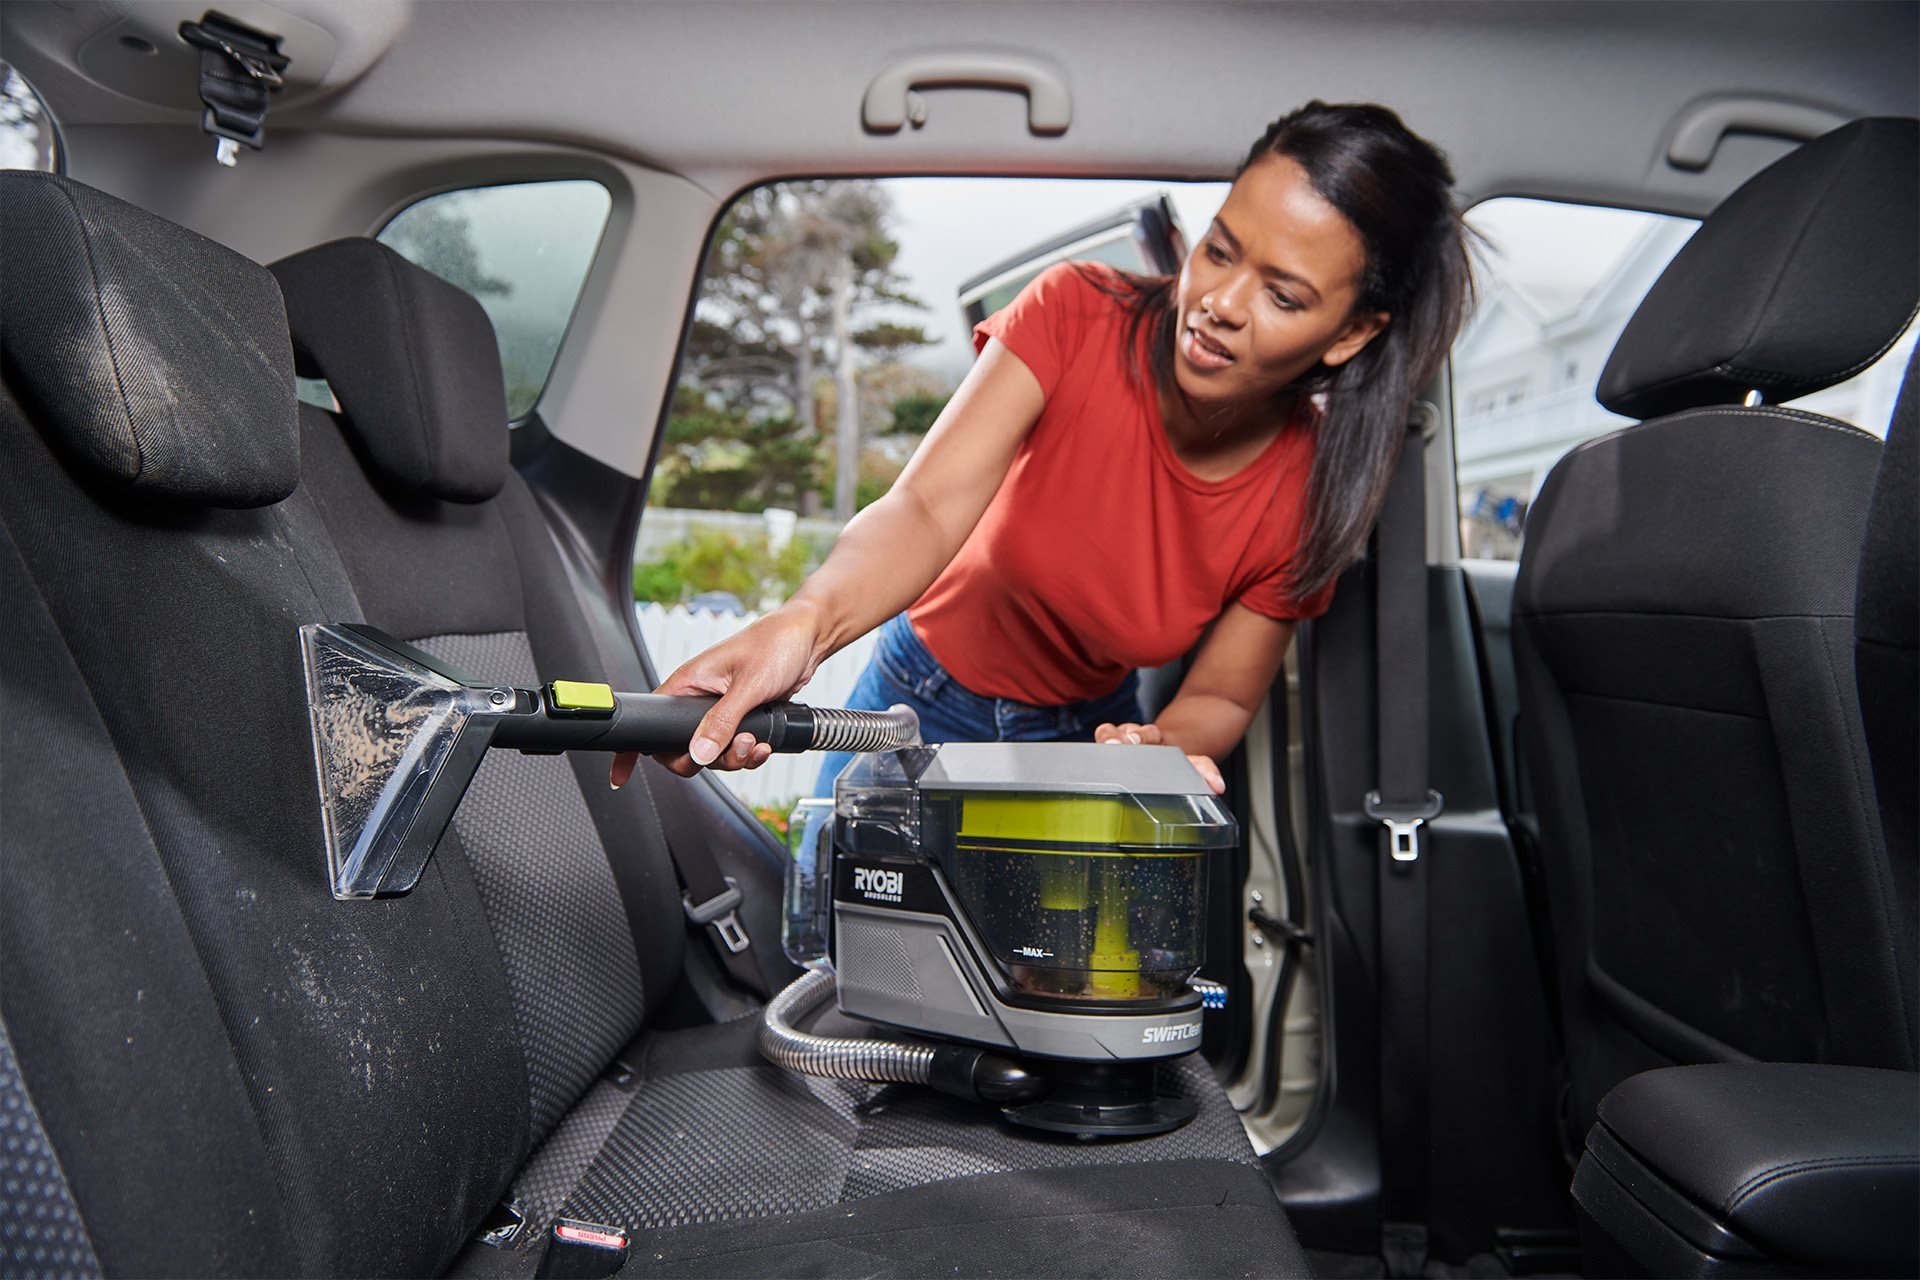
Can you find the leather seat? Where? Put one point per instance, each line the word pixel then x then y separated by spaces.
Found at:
pixel 1683 633
pixel 1776 1169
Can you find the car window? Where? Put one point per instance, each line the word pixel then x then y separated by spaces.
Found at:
pixel 810 287
pixel 1557 283
pixel 523 250
pixel 753 427
pixel 29 135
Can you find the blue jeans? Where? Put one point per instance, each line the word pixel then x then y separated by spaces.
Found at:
pixel 903 671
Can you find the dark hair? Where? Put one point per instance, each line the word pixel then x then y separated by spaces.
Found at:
pixel 1396 190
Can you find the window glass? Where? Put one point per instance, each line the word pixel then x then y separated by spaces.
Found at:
pixel 29 136
pixel 316 392
pixel 523 250
pixel 810 287
pixel 1557 284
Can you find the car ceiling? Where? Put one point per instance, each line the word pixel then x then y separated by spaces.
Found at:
pixel 1570 95
pixel 683 104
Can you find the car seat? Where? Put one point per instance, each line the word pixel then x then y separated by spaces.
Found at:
pixel 1683 629
pixel 222 1070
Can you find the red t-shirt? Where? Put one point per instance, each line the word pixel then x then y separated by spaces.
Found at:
pixel 1101 552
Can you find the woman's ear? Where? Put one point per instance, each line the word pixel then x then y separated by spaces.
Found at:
pixel 1362 328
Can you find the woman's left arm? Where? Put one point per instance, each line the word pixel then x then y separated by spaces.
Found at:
pixel 1223 689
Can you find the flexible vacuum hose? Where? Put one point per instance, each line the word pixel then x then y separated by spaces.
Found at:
pixel 961 1070
pixel 835 729
pixel 839 1058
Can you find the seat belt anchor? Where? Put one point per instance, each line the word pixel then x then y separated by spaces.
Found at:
pixel 1403 823
pixel 240 70
pixel 720 912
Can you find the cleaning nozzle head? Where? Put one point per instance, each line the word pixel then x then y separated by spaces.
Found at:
pixel 396 739
pixel 397 736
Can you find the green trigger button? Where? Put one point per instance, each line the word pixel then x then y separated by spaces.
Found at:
pixel 580 698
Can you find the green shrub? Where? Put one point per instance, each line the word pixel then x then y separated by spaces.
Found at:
pixel 712 560
pixel 913 414
pixel 659 580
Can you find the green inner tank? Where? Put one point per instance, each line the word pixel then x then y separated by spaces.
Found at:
pixel 1100 897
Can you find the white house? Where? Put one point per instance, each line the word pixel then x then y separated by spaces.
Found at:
pixel 1524 372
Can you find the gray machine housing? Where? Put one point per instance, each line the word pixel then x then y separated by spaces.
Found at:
pixel 907 956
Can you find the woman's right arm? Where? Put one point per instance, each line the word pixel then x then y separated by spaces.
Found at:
pixel 883 560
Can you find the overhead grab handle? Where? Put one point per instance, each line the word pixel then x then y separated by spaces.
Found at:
pixel 1700 128
pixel 891 101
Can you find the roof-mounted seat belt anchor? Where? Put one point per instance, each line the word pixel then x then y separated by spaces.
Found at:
pixel 240 68
pixel 1403 823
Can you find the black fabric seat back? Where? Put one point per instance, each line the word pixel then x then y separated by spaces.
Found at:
pixel 1886 633
pixel 447 550
pixel 1683 637
pixel 237 1074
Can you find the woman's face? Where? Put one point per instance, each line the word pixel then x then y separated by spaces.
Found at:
pixel 1270 290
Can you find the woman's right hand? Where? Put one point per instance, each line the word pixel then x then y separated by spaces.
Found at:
pixel 765 661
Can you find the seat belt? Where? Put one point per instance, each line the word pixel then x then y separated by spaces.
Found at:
pixel 1401 805
pixel 710 899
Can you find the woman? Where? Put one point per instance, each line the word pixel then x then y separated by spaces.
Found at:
pixel 1136 465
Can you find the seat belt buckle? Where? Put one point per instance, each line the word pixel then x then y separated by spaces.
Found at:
pixel 583 1251
pixel 504 1226
pixel 720 911
pixel 1403 823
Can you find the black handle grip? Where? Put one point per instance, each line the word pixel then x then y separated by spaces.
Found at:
pixel 649 723
pixel 653 722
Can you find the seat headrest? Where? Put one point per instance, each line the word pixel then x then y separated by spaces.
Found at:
pixel 153 359
pixel 413 362
pixel 1799 280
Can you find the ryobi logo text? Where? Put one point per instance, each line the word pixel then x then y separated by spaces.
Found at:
pixel 882 886
pixel 1160 1035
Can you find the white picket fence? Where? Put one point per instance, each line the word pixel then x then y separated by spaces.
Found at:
pixel 674 634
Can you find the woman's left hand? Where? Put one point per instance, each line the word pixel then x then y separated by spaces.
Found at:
pixel 1149 735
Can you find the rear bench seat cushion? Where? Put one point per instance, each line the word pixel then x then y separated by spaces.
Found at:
pixel 720 1164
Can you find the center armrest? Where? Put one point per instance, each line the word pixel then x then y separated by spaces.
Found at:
pixel 1807 1162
